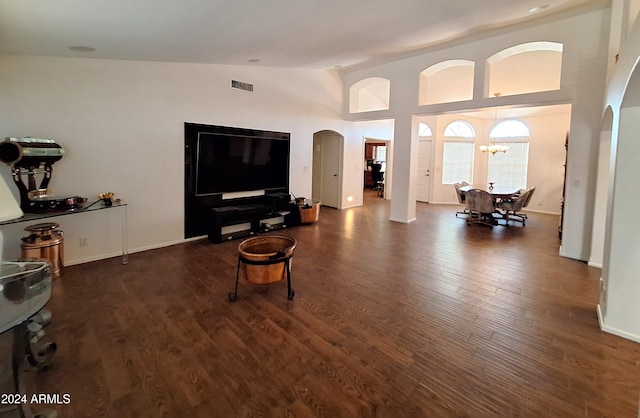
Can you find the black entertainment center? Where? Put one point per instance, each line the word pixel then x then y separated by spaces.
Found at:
pixel 236 182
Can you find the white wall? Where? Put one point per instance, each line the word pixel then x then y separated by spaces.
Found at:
pixel 526 72
pixel 122 126
pixel 585 46
pixel 547 158
pixel 451 84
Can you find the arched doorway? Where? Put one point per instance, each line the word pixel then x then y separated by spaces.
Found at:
pixel 600 204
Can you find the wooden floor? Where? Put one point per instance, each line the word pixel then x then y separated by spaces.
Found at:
pixel 432 318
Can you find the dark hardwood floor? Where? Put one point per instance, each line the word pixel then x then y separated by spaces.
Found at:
pixel 433 318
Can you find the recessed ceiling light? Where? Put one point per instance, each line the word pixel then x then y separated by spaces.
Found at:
pixel 82 48
pixel 538 8
pixel 254 60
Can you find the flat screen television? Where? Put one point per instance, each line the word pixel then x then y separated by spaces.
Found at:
pixel 222 161
pixel 236 163
pixel 225 159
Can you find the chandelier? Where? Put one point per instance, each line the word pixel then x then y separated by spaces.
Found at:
pixel 493 147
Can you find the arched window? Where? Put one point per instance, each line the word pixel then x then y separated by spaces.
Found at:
pixel 459 129
pixel 509 128
pixel 424 129
pixel 510 168
pixel 457 153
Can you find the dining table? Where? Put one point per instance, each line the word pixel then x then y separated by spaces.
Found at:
pixel 497 191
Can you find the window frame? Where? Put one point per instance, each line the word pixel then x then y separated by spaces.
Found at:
pixel 452 136
pixel 520 167
pixel 454 176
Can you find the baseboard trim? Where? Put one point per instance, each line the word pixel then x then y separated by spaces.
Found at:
pixel 99 257
pixel 615 331
pixel 544 212
pixel 402 221
pixel 596 265
pixel 131 251
pixel 356 205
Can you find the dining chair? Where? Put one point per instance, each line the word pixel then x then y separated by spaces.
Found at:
pixel 481 207
pixel 533 189
pixel 377 175
pixel 461 199
pixel 512 207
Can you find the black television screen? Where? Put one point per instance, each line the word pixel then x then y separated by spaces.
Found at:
pixel 240 162
pixel 223 159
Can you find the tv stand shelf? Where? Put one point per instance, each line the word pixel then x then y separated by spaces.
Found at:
pixel 241 220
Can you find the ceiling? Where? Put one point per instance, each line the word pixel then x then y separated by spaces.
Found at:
pixel 279 33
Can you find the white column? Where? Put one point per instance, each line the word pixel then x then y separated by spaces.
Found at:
pixel 405 166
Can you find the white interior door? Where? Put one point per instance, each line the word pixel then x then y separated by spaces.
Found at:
pixel 423 192
pixel 330 187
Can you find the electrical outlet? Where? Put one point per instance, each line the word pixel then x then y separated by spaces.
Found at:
pixel 84 241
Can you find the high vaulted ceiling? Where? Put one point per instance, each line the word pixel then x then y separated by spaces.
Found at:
pixel 281 33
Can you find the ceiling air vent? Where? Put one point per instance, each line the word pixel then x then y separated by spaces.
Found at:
pixel 235 84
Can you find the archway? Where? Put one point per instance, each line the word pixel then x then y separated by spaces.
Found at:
pixel 600 203
pixel 619 311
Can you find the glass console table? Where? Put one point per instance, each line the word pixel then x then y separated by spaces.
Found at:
pixel 84 208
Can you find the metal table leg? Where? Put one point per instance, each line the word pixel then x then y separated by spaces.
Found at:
pixel 285 259
pixel 28 345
